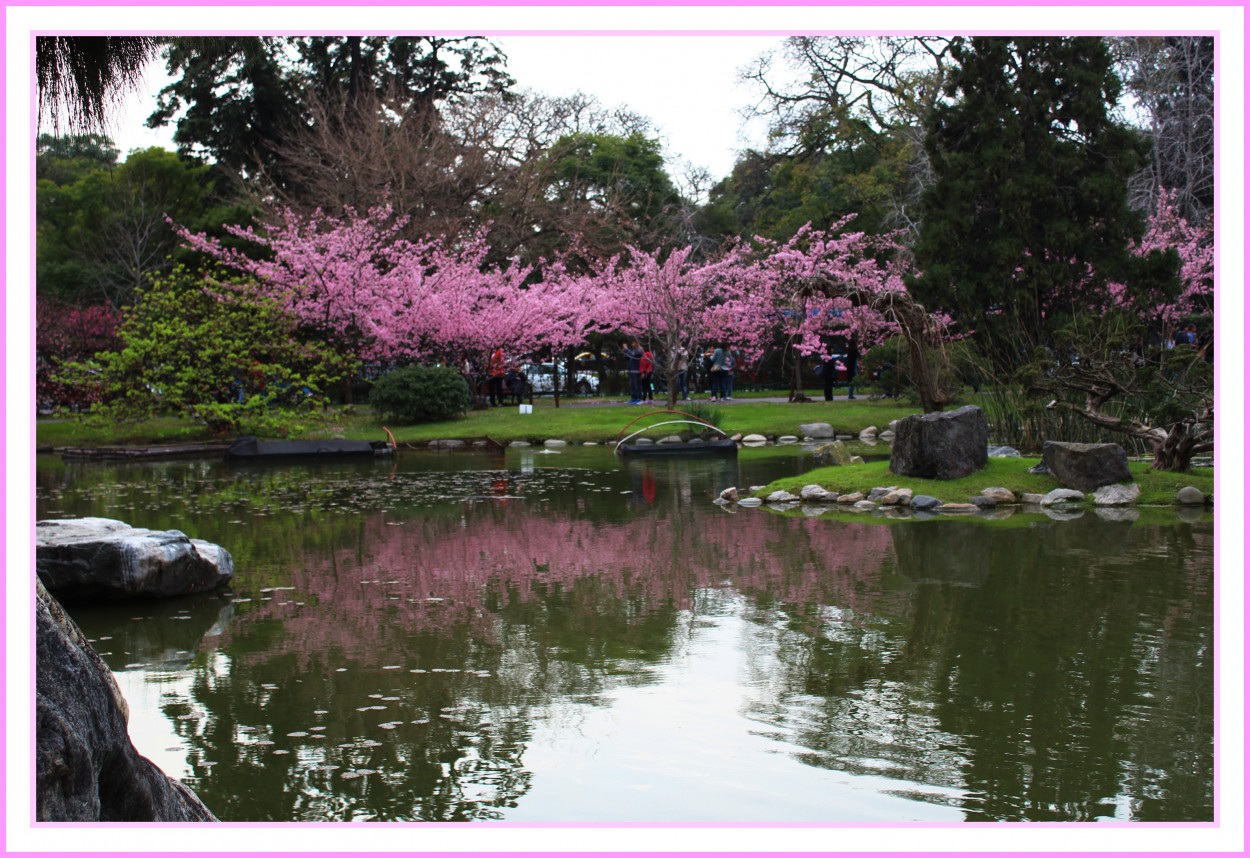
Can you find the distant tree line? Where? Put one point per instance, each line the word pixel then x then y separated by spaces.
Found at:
pixel 1013 179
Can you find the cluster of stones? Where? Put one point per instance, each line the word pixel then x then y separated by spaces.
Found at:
pixel 954 444
pixel 897 497
pixel 903 498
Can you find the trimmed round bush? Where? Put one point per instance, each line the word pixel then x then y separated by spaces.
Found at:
pixel 421 394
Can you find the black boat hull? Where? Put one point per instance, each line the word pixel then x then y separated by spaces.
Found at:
pixel 255 450
pixel 721 447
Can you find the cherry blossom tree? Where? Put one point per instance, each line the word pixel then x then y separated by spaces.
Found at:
pixel 822 282
pixel 1168 230
pixel 668 300
pixel 355 282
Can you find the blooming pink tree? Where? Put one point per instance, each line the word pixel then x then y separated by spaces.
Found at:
pixel 357 284
pixel 1167 229
pixel 668 300
pixel 834 281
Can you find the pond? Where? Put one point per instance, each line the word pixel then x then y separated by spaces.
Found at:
pixel 555 637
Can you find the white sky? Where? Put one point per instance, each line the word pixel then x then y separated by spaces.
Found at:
pixel 687 85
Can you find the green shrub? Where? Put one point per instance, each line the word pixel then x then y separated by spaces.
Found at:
pixel 421 394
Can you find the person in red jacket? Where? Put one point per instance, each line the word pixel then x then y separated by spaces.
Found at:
pixel 496 370
pixel 646 369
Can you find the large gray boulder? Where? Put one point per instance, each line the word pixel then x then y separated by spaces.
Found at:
pixel 1085 467
pixel 944 445
pixel 91 558
pixel 86 769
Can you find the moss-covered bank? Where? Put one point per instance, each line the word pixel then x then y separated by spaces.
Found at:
pixel 1157 487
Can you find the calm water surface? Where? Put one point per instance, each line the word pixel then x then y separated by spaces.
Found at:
pixel 554 637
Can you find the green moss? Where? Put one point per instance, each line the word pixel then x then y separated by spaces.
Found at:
pixel 1157 487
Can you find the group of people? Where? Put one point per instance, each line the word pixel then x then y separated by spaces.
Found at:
pixel 1186 336
pixel 503 379
pixel 644 367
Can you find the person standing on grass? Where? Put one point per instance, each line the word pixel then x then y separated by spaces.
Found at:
pixel 852 366
pixel 496 370
pixel 829 372
pixel 728 383
pixel 634 353
pixel 646 372
pixel 716 373
pixel 681 366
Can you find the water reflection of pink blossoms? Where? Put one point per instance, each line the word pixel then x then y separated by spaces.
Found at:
pixel 397 578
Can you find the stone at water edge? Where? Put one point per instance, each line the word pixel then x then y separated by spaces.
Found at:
pixel 868 432
pixel 983 502
pixel 730 494
pixel 816 430
pixel 1190 496
pixel 86 768
pixel 1119 494
pixel 813 493
pixel 92 558
pixel 1085 467
pixel 864 506
pixel 555 442
pixel 924 502
pixel 1062 496
pixel 999 494
pixel 833 453
pixel 750 502
pixel 853 497
pixel 1032 498
pixel 754 440
pixel 788 439
pixel 898 497
pixel 780 496
pixel 880 491
pixel 958 507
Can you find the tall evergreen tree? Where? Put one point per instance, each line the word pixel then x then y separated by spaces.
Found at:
pixel 1029 208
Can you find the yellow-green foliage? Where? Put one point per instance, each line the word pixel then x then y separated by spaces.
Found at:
pixel 227 363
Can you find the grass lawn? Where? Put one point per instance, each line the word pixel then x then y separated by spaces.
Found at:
pixel 578 420
pixel 575 421
pixel 1157 487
